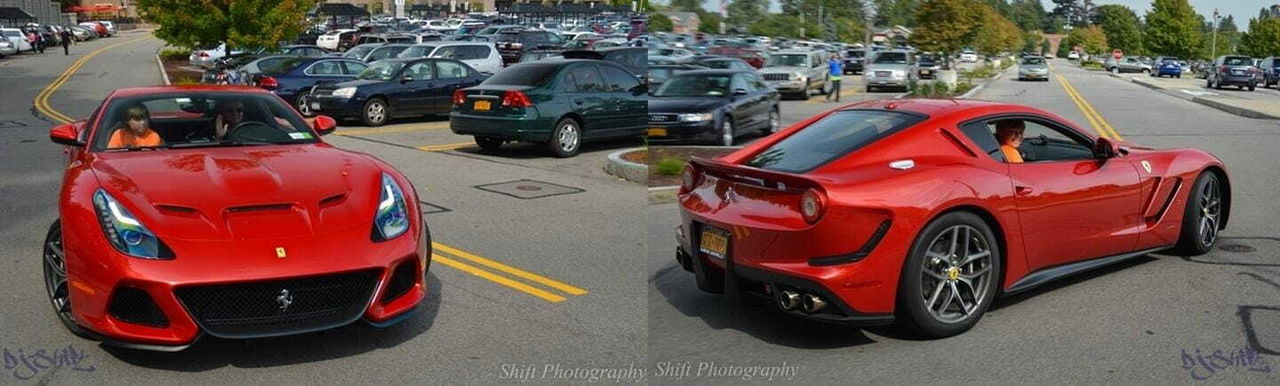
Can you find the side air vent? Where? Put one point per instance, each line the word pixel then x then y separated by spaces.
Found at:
pixel 259 208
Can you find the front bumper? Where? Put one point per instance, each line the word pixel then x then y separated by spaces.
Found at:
pixel 894 82
pixel 788 86
pixel 704 131
pixel 1033 75
pixel 337 107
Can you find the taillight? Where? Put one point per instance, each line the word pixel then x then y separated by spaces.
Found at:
pixel 459 97
pixel 812 205
pixel 690 178
pixel 1222 69
pixel 203 54
pixel 515 98
pixel 268 82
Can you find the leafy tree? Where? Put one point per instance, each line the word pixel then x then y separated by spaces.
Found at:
pixel 238 23
pixel 1031 41
pixel 708 22
pixel 994 33
pixel 1044 46
pixel 1228 24
pixel 896 12
pixel 1122 27
pixel 782 25
pixel 660 23
pixel 1092 39
pixel 945 26
pixel 1173 28
pixel 1029 15
pixel 745 12
pixel 687 5
pixel 1263 38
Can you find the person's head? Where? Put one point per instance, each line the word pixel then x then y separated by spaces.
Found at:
pixel 137 119
pixel 1009 132
pixel 232 112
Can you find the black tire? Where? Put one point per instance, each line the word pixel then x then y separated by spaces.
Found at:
pixel 1251 87
pixel 489 143
pixel 64 315
pixel 303 106
pixel 1191 242
pixel 568 127
pixel 870 89
pixel 369 114
pixel 912 312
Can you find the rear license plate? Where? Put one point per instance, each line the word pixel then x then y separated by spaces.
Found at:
pixel 482 106
pixel 715 242
pixel 657 132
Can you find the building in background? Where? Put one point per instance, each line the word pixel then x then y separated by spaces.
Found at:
pixel 683 22
pixel 41 11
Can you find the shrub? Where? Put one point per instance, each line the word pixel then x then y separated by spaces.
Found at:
pixel 175 53
pixel 670 166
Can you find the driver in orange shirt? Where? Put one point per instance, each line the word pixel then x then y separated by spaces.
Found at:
pixel 135 130
pixel 1009 134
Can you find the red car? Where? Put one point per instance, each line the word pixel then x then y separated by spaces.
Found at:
pixel 191 210
pixel 907 211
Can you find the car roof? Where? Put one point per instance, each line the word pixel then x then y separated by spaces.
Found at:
pixel 939 107
pixel 141 91
pixel 716 71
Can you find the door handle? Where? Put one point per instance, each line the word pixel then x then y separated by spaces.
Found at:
pixel 1023 190
pixel 577 101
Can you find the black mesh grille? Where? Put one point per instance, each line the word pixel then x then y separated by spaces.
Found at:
pixel 777 76
pixel 401 281
pixel 265 308
pixel 135 306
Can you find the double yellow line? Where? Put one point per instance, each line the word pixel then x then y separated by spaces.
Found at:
pixel 542 293
pixel 42 99
pixel 1100 125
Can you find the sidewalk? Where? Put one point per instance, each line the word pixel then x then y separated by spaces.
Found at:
pixel 1265 106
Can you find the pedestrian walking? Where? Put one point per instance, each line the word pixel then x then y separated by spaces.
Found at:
pixel 66 41
pixel 835 70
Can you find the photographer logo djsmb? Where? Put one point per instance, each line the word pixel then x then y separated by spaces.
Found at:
pixel 1202 366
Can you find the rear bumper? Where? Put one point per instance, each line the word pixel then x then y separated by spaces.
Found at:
pixel 1233 80
pixel 509 128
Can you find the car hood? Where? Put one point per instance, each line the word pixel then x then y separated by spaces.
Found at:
pixel 782 70
pixel 675 105
pixel 244 193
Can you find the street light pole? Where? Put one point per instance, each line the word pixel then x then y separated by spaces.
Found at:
pixel 1213 52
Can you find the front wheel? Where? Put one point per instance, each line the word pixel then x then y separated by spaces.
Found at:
pixel 489 143
pixel 1202 217
pixel 566 138
pixel 376 112
pixel 951 276
pixel 55 279
pixel 304 106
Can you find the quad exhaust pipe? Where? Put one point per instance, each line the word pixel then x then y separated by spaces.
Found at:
pixel 812 304
pixel 790 300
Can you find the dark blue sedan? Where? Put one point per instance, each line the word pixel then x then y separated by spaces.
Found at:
pixel 293 79
pixel 396 88
pixel 1169 68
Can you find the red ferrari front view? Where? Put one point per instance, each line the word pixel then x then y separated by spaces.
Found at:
pixel 209 210
pixel 921 211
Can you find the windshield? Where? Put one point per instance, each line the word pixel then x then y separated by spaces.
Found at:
pixel 529 74
pixel 1036 61
pixel 855 53
pixel 695 85
pixel 890 58
pixel 380 71
pixel 198 119
pixel 717 64
pixel 416 52
pixel 358 52
pixel 489 30
pixel 831 137
pixel 787 60
pixel 508 37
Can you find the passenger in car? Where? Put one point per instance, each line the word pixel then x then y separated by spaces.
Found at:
pixel 135 130
pixel 1009 134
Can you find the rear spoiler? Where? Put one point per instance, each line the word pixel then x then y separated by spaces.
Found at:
pixel 748 175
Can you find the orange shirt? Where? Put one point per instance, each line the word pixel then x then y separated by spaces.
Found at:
pixel 1011 154
pixel 123 138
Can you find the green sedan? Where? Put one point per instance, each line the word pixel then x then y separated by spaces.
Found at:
pixel 559 103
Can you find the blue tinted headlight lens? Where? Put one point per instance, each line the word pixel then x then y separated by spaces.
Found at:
pixel 392 218
pixel 125 232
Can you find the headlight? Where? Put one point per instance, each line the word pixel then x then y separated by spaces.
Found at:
pixel 125 232
pixel 345 92
pixel 899 74
pixel 795 76
pixel 695 117
pixel 392 218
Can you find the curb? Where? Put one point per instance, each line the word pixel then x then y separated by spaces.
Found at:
pixel 630 171
pixel 164 75
pixel 1232 109
pixel 663 194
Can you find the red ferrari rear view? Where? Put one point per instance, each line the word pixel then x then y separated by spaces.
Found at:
pixel 919 211
pixel 211 210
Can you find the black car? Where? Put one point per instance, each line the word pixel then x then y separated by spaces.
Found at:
pixel 712 106
pixel 1270 68
pixel 658 74
pixel 635 59
pixel 513 44
pixel 854 60
pixel 927 67
pixel 1232 70
pixel 396 88
pixel 724 63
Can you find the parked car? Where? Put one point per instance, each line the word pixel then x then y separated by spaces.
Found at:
pixel 512 44
pixel 385 51
pixel 395 88
pixel 560 103
pixel 796 73
pixel 927 66
pixel 659 74
pixel 184 212
pixel 97 28
pixel 892 68
pixel 7 48
pixel 634 59
pixel 1169 67
pixel 82 34
pixel 293 79
pixel 1270 71
pixel 18 39
pixel 330 40
pixel 1073 55
pixel 206 57
pixel 536 55
pixel 721 63
pixel 1033 67
pixel 1126 64
pixel 713 106
pixel 111 27
pixel 1233 70
pixel 361 51
pixel 917 196
pixel 968 56
pixel 481 56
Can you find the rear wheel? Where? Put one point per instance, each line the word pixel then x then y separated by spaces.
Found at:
pixel 566 138
pixel 951 276
pixel 304 106
pixel 489 143
pixel 1202 217
pixel 376 112
pixel 55 279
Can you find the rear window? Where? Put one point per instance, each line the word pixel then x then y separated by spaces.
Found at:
pixel 531 74
pixel 831 137
pixel 1238 61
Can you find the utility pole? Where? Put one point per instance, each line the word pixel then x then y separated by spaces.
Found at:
pixel 724 14
pixel 1213 52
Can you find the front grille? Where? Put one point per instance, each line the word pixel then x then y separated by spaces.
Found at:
pixel 132 305
pixel 279 307
pixel 661 118
pixel 777 76
pixel 402 280
pixel 883 74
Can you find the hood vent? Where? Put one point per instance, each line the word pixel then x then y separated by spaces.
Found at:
pixel 333 200
pixel 260 208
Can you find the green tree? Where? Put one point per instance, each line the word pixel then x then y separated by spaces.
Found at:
pixel 687 5
pixel 708 22
pixel 660 23
pixel 743 13
pixel 1122 27
pixel 1029 15
pixel 995 33
pixel 238 23
pixel 780 25
pixel 1091 39
pixel 1263 38
pixel 1173 28
pixel 896 12
pixel 945 26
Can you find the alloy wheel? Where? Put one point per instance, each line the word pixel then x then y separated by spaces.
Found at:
pixel 303 106
pixel 55 274
pixel 376 112
pixel 773 122
pixel 568 138
pixel 955 273
pixel 1210 212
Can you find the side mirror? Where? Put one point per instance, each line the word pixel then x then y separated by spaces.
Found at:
pixel 739 91
pixel 640 89
pixel 324 124
pixel 406 79
pixel 67 134
pixel 1104 149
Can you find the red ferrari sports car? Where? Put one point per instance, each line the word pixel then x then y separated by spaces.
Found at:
pixel 192 210
pixel 910 211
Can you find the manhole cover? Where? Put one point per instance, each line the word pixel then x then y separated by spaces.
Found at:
pixel 431 208
pixel 529 189
pixel 1237 248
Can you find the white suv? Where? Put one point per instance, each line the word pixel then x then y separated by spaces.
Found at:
pixel 482 56
pixel 330 40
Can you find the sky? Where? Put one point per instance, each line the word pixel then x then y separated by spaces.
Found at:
pixel 1241 9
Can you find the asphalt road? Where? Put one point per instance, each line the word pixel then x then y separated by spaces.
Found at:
pixel 1126 324
pixel 490 305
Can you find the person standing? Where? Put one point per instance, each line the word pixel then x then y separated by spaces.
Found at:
pixel 66 41
pixel 835 70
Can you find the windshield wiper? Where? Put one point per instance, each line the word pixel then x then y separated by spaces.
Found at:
pixel 134 148
pixel 220 143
